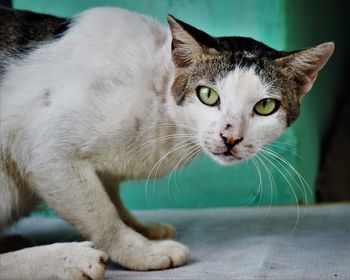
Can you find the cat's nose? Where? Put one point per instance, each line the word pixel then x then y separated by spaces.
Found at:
pixel 230 141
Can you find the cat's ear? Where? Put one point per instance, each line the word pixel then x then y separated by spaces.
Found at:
pixel 305 64
pixel 188 44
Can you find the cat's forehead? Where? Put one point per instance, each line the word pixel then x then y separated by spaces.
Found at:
pixel 218 66
pixel 241 85
pixel 236 54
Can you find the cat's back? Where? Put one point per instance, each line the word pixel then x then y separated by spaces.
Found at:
pixel 103 42
pixel 125 39
pixel 106 65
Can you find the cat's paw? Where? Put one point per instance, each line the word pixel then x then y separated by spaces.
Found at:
pixel 152 255
pixel 65 261
pixel 157 231
pixel 165 254
pixel 81 261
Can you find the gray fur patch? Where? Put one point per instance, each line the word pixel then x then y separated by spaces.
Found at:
pixel 22 31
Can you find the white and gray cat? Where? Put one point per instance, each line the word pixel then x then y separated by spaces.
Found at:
pixel 90 101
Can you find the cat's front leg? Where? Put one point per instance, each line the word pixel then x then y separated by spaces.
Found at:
pixel 154 231
pixel 75 192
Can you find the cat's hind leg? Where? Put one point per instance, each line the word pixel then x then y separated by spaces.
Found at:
pixel 153 231
pixel 77 260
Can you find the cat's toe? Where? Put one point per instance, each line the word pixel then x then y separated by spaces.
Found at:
pixel 176 252
pixel 151 255
pixel 165 254
pixel 158 231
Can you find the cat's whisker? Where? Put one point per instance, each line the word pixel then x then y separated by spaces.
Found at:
pixel 286 149
pixel 173 158
pixel 178 125
pixel 189 143
pixel 182 127
pixel 272 184
pixel 260 189
pixel 163 137
pixel 155 165
pixel 266 157
pixel 284 143
pixel 188 154
pixel 274 156
pixel 178 146
pixel 151 142
pixel 195 160
pixel 259 186
pixel 195 152
pixel 299 176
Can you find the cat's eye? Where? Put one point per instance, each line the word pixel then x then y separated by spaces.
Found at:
pixel 208 96
pixel 266 106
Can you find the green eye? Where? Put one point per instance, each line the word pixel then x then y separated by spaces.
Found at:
pixel 266 106
pixel 208 96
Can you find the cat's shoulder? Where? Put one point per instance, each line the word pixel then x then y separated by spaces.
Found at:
pixel 114 18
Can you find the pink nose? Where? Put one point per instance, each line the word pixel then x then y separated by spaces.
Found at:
pixel 230 141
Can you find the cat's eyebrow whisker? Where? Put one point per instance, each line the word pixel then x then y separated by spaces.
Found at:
pixel 266 157
pixel 271 85
pixel 272 82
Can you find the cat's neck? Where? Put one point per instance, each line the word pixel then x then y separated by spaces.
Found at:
pixel 168 143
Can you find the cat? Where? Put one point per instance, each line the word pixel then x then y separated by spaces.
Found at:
pixel 102 97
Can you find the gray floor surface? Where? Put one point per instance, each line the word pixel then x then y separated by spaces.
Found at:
pixel 239 243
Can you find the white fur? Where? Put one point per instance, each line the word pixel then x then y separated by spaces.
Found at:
pixel 239 91
pixel 69 109
pixel 87 103
pixel 56 261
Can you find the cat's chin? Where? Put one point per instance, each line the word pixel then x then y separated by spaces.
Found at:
pixel 225 159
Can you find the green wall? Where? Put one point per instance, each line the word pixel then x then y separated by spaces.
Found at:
pixel 278 23
pixel 309 23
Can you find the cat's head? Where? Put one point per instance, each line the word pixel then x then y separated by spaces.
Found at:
pixel 239 94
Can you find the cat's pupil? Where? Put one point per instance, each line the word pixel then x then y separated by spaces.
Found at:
pixel 264 102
